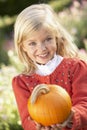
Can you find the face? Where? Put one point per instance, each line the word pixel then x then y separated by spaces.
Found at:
pixel 41 46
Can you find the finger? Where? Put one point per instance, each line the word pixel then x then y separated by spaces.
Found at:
pixel 71 115
pixel 29 118
pixel 56 127
pixel 47 128
pixel 64 124
pixel 69 125
pixel 38 126
pixel 59 126
pixel 52 126
pixel 68 119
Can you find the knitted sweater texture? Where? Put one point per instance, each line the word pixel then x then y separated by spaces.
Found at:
pixel 71 74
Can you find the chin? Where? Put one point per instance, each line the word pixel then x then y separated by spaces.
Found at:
pixel 42 63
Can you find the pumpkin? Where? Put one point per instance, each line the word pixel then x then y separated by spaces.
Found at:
pixel 49 104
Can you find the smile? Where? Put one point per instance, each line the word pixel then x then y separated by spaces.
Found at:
pixel 43 55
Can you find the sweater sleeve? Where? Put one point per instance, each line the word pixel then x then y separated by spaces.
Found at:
pixel 22 94
pixel 79 95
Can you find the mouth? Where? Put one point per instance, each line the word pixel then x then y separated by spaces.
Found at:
pixel 43 55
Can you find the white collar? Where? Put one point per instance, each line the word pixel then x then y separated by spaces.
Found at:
pixel 49 67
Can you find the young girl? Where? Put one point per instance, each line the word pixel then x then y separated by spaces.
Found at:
pixel 49 56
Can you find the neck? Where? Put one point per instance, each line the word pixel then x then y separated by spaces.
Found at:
pixel 49 67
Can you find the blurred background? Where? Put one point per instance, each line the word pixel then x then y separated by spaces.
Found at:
pixel 73 16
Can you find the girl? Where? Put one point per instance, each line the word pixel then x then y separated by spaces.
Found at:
pixel 49 56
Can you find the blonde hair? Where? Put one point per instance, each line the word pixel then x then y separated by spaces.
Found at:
pixel 30 20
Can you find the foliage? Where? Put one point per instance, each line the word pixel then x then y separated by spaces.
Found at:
pixel 4 59
pixel 74 20
pixel 81 27
pixel 13 7
pixel 14 61
pixel 4 32
pixel 9 117
pixel 59 5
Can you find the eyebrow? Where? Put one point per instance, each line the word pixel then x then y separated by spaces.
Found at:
pixel 30 40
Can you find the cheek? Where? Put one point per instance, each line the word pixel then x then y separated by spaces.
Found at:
pixel 54 45
pixel 53 48
pixel 30 53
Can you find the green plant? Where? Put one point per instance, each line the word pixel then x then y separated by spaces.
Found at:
pixel 59 5
pixel 9 117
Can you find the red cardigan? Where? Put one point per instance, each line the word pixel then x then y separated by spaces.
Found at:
pixel 71 74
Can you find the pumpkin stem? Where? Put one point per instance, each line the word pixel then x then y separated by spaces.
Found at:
pixel 41 88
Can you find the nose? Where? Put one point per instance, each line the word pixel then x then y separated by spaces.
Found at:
pixel 41 47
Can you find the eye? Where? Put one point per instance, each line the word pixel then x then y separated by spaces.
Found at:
pixel 32 44
pixel 49 39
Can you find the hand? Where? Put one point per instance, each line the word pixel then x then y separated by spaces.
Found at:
pixel 40 127
pixel 67 123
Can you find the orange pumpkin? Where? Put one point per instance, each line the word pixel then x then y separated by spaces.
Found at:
pixel 49 104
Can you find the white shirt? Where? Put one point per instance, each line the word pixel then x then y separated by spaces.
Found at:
pixel 50 66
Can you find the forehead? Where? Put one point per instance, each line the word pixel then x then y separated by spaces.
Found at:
pixel 41 32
